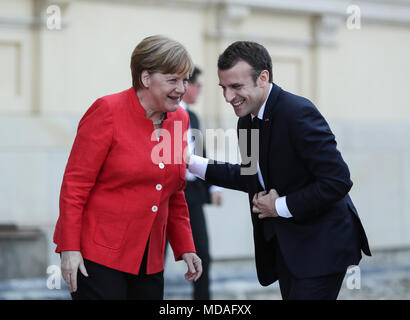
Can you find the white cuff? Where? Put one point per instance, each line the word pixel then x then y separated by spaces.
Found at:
pixel 198 165
pixel 215 189
pixel 282 208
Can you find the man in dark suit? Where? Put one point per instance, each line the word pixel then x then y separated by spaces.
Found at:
pixel 198 192
pixel 306 229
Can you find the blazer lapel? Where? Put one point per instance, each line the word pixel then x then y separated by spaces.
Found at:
pixel 193 120
pixel 264 149
pixel 245 123
pixel 266 134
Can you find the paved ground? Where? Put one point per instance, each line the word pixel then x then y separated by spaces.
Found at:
pixel 237 280
pixel 368 283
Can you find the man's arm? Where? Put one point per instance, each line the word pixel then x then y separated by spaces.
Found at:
pixel 316 146
pixel 225 175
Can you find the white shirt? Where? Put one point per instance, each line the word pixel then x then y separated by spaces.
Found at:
pixel 198 165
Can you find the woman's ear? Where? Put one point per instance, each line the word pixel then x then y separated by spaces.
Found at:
pixel 145 78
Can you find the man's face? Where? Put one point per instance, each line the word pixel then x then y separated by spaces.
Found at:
pixel 192 91
pixel 240 90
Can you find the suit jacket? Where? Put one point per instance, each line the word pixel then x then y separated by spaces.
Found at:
pixel 197 191
pixel 119 191
pixel 298 157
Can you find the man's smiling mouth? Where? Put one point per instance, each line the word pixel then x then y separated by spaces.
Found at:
pixel 237 104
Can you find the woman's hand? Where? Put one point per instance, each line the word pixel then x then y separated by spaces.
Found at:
pixel 71 261
pixel 194 264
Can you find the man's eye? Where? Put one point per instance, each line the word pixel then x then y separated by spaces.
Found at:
pixel 172 80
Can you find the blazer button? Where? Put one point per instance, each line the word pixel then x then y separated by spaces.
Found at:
pixel 161 165
pixel 159 187
pixel 154 208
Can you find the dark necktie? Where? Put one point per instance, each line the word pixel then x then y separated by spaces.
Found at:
pixel 256 123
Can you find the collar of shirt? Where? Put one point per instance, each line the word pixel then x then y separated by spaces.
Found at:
pixel 183 105
pixel 262 109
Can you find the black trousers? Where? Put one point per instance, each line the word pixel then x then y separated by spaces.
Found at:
pixel 319 288
pixel 200 234
pixel 104 283
pixel 201 289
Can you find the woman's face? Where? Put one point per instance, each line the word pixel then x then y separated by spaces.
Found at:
pixel 166 90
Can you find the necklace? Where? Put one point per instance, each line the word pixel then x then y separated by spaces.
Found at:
pixel 158 122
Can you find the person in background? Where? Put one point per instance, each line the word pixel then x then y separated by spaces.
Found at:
pixel 198 192
pixel 118 199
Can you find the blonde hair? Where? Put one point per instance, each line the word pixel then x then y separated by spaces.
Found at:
pixel 159 54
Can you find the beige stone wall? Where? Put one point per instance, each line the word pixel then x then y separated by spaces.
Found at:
pixel 357 78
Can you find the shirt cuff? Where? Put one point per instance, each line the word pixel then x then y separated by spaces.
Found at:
pixel 215 189
pixel 282 207
pixel 198 165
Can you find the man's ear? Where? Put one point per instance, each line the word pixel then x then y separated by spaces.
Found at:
pixel 264 77
pixel 145 78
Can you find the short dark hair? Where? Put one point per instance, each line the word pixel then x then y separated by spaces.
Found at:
pixel 253 53
pixel 194 76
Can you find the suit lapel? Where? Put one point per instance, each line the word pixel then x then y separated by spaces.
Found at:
pixel 193 120
pixel 245 123
pixel 264 149
pixel 266 134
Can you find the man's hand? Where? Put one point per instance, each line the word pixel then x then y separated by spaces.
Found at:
pixel 264 204
pixel 194 265
pixel 71 261
pixel 216 197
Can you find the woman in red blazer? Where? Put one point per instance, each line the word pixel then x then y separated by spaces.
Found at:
pixel 122 191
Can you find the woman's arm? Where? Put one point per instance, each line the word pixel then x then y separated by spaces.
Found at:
pixel 90 148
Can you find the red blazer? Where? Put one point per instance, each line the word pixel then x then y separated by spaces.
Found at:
pixel 115 196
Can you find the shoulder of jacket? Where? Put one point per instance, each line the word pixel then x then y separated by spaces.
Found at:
pixel 181 114
pixel 114 99
pixel 294 105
